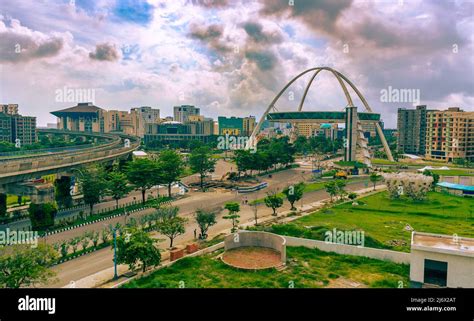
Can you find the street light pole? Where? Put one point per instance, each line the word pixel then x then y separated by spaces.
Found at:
pixel 115 253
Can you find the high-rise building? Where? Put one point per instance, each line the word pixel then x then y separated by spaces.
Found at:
pixel 182 113
pixel 201 125
pixel 411 126
pixel 15 127
pixel 450 135
pixel 236 126
pixel 5 128
pixel 9 109
pixel 146 115
pixel 24 129
pixel 248 125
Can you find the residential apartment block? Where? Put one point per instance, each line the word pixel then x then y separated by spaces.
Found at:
pixel 182 113
pixel 15 127
pixel 411 126
pixel 9 109
pixel 450 135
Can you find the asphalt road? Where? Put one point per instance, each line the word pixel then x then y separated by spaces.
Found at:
pixel 100 260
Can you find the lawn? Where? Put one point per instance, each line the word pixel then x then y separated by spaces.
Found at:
pixel 383 220
pixel 306 268
pixel 453 172
pixel 309 187
pixel 13 199
pixel 381 161
pixel 350 164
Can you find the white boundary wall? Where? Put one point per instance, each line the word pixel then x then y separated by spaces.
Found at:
pixel 379 254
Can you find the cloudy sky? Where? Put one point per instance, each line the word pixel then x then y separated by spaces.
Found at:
pixel 231 57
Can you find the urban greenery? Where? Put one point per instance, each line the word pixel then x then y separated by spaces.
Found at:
pixel 306 268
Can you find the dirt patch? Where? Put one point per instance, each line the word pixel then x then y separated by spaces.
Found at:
pixel 344 283
pixel 252 258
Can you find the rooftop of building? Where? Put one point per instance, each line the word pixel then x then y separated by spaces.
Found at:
pixel 79 108
pixel 452 244
pixel 171 122
pixel 459 187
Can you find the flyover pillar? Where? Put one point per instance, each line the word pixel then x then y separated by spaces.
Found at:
pixel 350 142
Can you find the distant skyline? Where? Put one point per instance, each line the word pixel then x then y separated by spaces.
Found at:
pixel 231 57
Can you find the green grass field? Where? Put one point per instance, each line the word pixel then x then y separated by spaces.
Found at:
pixel 381 161
pixel 454 172
pixel 383 220
pixel 309 187
pixel 350 164
pixel 13 199
pixel 306 268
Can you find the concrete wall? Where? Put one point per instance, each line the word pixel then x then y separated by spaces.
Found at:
pixel 463 180
pixel 259 239
pixel 207 250
pixel 386 255
pixel 460 268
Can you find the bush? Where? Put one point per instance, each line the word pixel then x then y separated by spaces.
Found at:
pixel 3 205
pixel 42 215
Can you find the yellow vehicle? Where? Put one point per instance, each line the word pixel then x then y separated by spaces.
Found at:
pixel 340 174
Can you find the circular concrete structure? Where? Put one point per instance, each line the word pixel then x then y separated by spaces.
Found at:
pixel 254 250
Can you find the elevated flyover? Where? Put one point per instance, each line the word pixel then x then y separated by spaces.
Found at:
pixel 14 169
pixel 319 116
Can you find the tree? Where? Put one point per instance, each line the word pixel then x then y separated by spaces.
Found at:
pixel 62 191
pixel 24 266
pixel 172 227
pixel 331 189
pixel 415 186
pixel 340 185
pixel 117 186
pixel 294 193
pixel 244 160
pixel 143 173
pixel 205 220
pixel 233 208
pixel 3 204
pixel 64 249
pixel 301 144
pixel 74 242
pixel 42 215
pixel 94 236
pixel 434 176
pixel 201 162
pixel 93 187
pixel 171 167
pixel 273 201
pixel 105 234
pixel 135 246
pixel 85 240
pixel 374 178
pixel 165 213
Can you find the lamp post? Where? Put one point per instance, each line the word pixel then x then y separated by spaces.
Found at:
pixel 114 234
pixel 255 213
pixel 115 253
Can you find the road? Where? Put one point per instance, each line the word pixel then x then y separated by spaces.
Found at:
pixel 100 260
